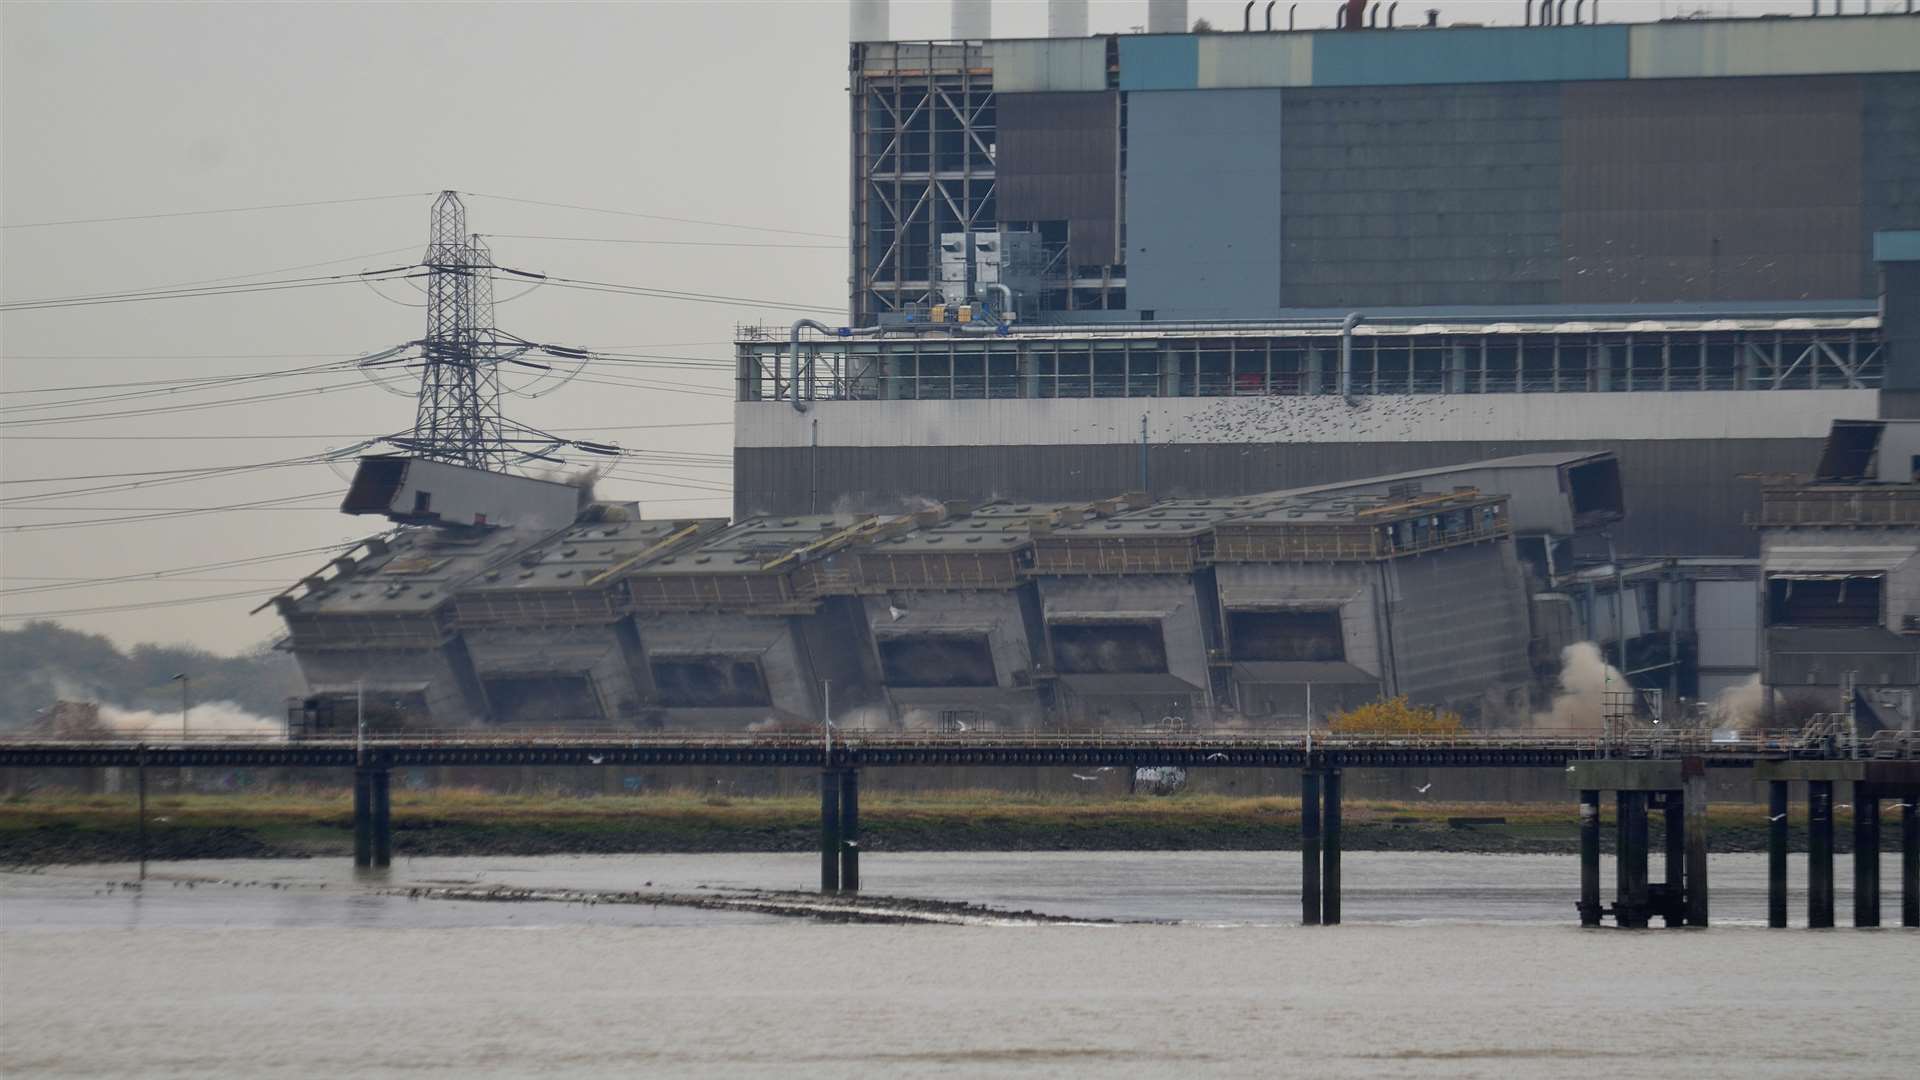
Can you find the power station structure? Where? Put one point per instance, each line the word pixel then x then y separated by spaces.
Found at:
pixel 1242 377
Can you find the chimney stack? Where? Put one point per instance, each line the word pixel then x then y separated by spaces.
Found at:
pixel 972 20
pixel 1067 18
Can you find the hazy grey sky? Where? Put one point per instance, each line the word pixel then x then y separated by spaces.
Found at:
pixel 727 111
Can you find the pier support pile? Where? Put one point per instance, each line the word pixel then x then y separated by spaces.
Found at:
pixel 1320 846
pixel 1872 783
pixel 1678 790
pixel 840 831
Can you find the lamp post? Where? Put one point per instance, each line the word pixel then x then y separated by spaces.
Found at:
pixel 186 699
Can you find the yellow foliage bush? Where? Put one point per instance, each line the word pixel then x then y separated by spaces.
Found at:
pixel 1395 717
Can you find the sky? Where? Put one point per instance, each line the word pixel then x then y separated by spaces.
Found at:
pixel 728 115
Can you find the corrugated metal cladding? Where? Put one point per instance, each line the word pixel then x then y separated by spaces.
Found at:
pixel 1683 496
pixel 1890 171
pixel 1469 56
pixel 1059 159
pixel 1059 65
pixel 1416 196
pixel 1203 204
pixel 1774 47
pixel 1711 189
pixel 1159 63
pixel 1249 60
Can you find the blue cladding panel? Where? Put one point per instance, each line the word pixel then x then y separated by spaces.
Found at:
pixel 1470 56
pixel 1203 204
pixel 1159 63
pixel 1896 247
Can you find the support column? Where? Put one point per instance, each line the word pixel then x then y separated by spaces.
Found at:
pixel 1695 795
pixel 1310 848
pixel 850 830
pixel 142 781
pixel 1776 853
pixel 1673 815
pixel 1330 851
pixel 1909 861
pixel 1589 858
pixel 382 818
pixel 1630 905
pixel 829 831
pixel 1819 854
pixel 362 818
pixel 1866 855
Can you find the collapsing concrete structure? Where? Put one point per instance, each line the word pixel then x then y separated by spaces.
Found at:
pixel 1840 559
pixel 1270 608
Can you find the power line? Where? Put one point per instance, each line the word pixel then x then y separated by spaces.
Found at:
pixel 671 294
pixel 664 243
pixel 279 395
pixel 200 292
pixel 146 606
pixel 657 217
pixel 182 513
pixel 161 575
pixel 258 273
pixel 323 435
pixel 218 210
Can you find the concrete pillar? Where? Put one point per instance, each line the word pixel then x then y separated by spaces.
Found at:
pixel 1776 853
pixel 829 831
pixel 362 818
pixel 1330 862
pixel 850 830
pixel 382 814
pixel 1589 858
pixel 1630 905
pixel 1673 816
pixel 1310 848
pixel 1866 855
pixel 1909 861
pixel 1696 819
pixel 1819 854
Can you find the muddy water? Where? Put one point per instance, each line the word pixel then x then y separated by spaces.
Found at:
pixel 1449 966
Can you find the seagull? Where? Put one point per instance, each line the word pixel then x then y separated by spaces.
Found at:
pixel 961 724
pixel 595 759
pixel 1776 817
pixel 1423 790
pixel 1104 768
pixel 898 613
pixel 1216 757
pixel 1077 776
pixel 1569 768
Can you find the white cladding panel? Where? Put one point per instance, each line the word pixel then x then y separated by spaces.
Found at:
pixel 1685 50
pixel 1727 414
pixel 1727 616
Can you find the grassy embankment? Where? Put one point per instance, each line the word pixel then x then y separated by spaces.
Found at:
pixel 62 826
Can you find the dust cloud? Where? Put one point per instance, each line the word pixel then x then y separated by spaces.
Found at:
pixel 1579 700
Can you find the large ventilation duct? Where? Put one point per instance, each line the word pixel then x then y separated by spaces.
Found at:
pixel 1166 16
pixel 1067 18
pixel 867 20
pixel 972 20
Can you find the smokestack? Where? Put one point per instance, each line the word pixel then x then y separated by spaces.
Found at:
pixel 972 20
pixel 1166 16
pixel 1067 18
pixel 867 20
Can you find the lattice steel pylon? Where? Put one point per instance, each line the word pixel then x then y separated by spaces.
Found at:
pixel 458 417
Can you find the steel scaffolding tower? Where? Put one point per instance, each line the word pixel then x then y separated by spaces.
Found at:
pixel 458 418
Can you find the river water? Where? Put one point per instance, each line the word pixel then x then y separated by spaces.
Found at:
pixel 1449 965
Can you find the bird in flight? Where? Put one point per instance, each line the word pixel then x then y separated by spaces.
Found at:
pixel 1423 790
pixel 1776 817
pixel 595 759
pixel 1077 776
pixel 1216 757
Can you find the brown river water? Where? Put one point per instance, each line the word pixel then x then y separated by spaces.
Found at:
pixel 1449 965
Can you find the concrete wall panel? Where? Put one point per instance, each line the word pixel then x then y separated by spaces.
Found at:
pixel 1711 189
pixel 1159 63
pixel 1496 55
pixel 1250 60
pixel 1059 64
pixel 1890 176
pixel 1727 618
pixel 1203 204
pixel 1059 159
pixel 1397 195
pixel 1774 47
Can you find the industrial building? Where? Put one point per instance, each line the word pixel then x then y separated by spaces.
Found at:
pixel 1203 264
pixel 485 608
